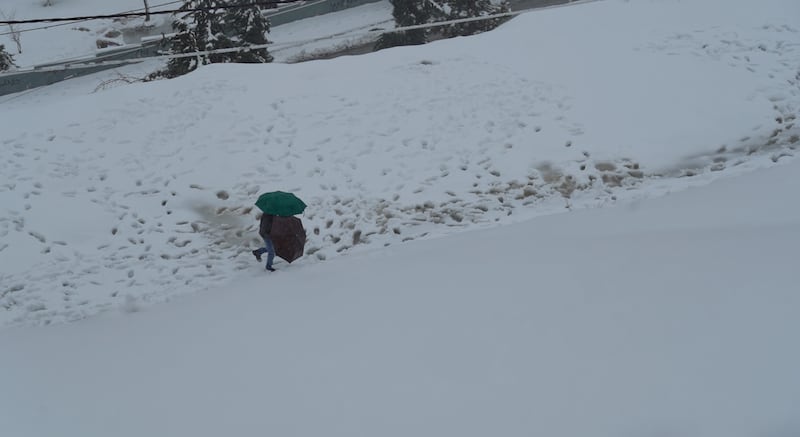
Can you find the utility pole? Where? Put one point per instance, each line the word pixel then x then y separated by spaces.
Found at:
pixel 146 11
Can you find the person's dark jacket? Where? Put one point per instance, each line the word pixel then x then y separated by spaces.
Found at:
pixel 266 225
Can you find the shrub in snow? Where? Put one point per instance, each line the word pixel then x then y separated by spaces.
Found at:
pixel 6 59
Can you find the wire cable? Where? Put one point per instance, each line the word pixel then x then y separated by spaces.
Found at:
pixel 92 63
pixel 139 14
pixel 81 21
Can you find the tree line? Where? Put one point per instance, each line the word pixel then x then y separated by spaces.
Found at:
pixel 224 28
pixel 209 25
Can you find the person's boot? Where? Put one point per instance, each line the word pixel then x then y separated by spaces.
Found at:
pixel 257 255
pixel 269 268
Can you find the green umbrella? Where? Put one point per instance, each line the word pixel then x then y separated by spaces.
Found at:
pixel 280 203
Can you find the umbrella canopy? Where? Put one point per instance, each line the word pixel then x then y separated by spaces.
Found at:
pixel 280 204
pixel 288 237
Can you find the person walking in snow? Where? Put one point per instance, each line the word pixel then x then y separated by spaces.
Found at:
pixel 264 230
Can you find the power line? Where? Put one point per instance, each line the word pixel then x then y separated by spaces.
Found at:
pixel 139 14
pixel 282 46
pixel 82 21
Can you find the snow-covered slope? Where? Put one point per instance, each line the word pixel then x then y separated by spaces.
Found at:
pixel 670 316
pixel 145 192
pixel 667 316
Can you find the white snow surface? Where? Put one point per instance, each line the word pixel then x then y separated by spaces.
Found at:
pixel 581 223
pixel 147 190
pixel 671 316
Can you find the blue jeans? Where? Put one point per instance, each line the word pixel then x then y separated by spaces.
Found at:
pixel 269 249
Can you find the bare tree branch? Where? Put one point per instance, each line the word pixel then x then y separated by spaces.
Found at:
pixel 121 79
pixel 15 33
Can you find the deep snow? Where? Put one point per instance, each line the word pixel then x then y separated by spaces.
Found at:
pixel 146 191
pixel 672 310
pixel 670 316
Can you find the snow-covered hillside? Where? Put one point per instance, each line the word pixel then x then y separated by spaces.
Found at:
pixel 145 191
pixel 671 316
pixel 583 223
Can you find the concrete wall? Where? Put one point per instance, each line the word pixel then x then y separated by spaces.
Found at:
pixel 47 74
pixel 16 82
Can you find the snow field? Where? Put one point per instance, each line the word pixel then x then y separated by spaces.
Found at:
pixel 145 192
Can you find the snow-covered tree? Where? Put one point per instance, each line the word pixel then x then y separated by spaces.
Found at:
pixel 208 25
pixel 183 42
pixel 196 30
pixel 473 8
pixel 249 27
pixel 6 59
pixel 415 12
pixel 411 13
